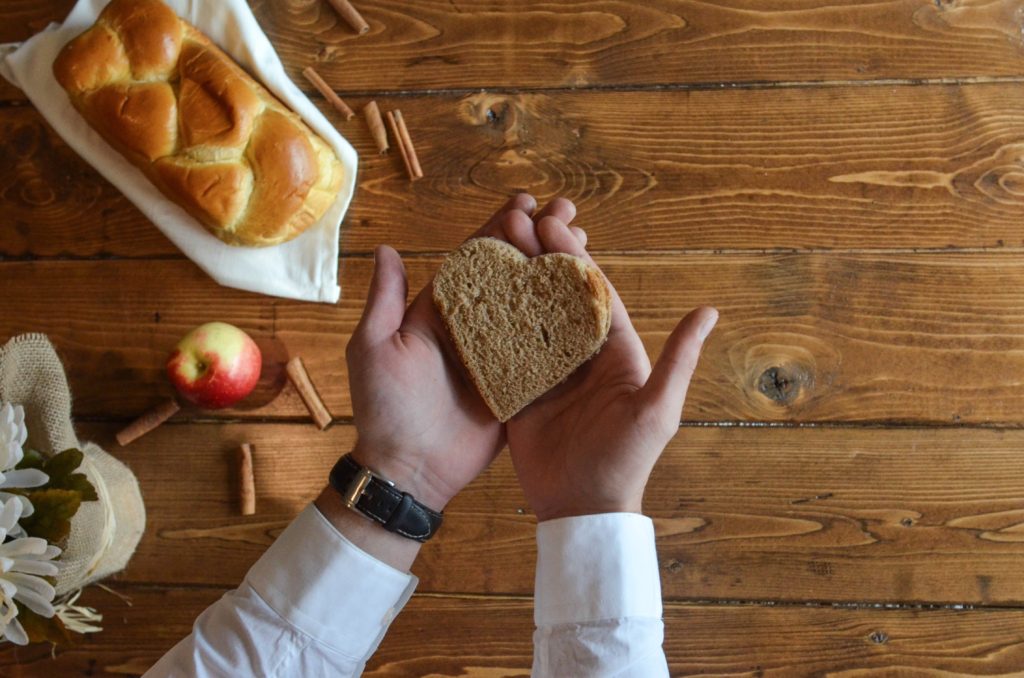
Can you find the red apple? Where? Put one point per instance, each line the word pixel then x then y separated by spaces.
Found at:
pixel 215 365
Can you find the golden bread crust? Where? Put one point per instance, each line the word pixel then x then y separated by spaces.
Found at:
pixel 204 131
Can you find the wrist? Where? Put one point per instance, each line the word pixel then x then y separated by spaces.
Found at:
pixel 402 469
pixel 371 537
pixel 587 508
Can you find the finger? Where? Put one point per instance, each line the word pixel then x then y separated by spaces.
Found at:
pixel 580 234
pixel 556 237
pixel 521 232
pixel 562 209
pixel 666 388
pixel 522 202
pixel 385 302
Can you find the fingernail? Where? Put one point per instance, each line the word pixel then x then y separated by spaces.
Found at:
pixel 707 326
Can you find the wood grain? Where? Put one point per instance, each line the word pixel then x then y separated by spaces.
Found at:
pixel 907 515
pixel 931 338
pixel 490 637
pixel 833 168
pixel 424 44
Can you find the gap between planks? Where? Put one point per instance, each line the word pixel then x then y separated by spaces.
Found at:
pixel 676 602
pixel 637 253
pixel 656 87
pixel 686 423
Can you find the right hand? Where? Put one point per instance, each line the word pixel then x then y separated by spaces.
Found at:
pixel 588 446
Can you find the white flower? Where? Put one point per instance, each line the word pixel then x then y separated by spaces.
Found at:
pixel 23 564
pixel 13 434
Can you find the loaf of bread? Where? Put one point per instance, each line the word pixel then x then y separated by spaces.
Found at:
pixel 521 326
pixel 205 133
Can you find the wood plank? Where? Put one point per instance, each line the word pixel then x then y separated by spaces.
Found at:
pixel 925 167
pixel 923 516
pixel 486 637
pixel 423 44
pixel 933 338
pixel 834 168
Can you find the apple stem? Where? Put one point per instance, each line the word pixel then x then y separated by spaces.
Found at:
pixel 148 421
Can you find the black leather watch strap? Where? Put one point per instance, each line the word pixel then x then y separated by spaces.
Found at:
pixel 378 499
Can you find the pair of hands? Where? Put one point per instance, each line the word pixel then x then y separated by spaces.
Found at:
pixel 587 446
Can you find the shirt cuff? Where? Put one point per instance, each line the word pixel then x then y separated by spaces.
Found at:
pixel 328 588
pixel 596 567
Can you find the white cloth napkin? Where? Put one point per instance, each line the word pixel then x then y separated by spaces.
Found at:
pixel 305 268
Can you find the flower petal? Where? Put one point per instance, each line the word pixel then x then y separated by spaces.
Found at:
pixel 25 477
pixel 15 633
pixel 29 582
pixel 43 568
pixel 8 611
pixel 19 422
pixel 26 506
pixel 35 602
pixel 26 546
pixel 10 512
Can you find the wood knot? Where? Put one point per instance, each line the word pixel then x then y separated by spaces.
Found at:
pixel 780 384
pixel 879 637
pixel 673 566
pixel 783 373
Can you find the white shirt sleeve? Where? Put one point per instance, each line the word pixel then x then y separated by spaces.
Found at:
pixel 598 598
pixel 313 605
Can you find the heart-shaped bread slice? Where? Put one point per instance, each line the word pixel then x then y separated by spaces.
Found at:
pixel 521 325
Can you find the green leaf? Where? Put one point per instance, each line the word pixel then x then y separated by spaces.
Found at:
pixel 32 459
pixel 61 469
pixel 77 482
pixel 63 464
pixel 39 628
pixel 52 517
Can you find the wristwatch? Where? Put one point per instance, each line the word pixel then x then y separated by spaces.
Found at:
pixel 377 498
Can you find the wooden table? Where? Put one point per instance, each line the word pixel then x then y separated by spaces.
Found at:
pixel 844 180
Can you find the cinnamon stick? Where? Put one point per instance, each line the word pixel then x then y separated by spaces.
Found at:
pixel 329 94
pixel 393 124
pixel 349 14
pixel 246 481
pixel 148 421
pixel 297 374
pixel 412 163
pixel 373 120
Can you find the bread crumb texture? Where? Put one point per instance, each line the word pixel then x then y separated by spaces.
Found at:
pixel 521 325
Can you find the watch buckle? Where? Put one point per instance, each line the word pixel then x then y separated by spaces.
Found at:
pixel 354 491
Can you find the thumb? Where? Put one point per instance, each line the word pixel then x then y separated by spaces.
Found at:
pixel 665 389
pixel 385 303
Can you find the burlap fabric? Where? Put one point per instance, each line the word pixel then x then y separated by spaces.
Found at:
pixel 104 533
